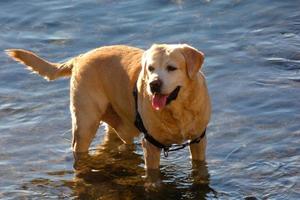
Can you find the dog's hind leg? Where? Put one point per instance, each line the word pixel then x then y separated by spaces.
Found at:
pixel 87 112
pixel 83 130
pixel 84 127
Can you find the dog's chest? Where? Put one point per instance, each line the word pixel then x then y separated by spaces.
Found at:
pixel 181 125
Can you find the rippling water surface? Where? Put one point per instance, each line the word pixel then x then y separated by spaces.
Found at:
pixel 253 72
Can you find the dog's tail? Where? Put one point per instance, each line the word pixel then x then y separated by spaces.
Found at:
pixel 48 70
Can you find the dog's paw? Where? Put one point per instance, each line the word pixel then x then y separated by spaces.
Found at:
pixel 152 187
pixel 152 180
pixel 200 173
pixel 126 147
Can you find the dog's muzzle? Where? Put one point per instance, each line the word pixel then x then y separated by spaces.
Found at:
pixel 155 86
pixel 159 100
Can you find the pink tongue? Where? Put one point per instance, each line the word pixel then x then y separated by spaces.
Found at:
pixel 159 101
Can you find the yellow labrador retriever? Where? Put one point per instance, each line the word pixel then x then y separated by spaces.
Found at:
pixel 171 104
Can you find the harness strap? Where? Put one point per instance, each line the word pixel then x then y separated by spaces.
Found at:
pixel 166 148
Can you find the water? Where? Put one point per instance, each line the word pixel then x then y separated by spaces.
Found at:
pixel 253 72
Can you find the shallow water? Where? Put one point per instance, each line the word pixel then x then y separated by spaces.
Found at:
pixel 253 72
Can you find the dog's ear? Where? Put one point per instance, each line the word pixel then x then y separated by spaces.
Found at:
pixel 193 59
pixel 143 60
pixel 144 64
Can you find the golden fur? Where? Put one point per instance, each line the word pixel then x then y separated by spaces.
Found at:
pixel 102 81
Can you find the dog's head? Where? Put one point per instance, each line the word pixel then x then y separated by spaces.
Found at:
pixel 169 69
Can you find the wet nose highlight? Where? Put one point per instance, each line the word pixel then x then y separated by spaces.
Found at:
pixel 155 86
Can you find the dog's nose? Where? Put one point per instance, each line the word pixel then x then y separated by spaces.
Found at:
pixel 155 86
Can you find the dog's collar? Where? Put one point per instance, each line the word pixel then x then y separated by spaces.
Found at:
pixel 141 127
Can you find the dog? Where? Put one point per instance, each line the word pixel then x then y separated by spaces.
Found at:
pixel 171 100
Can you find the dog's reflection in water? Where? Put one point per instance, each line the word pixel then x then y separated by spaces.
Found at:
pixel 115 165
pixel 111 156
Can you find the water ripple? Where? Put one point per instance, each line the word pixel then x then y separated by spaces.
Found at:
pixel 252 67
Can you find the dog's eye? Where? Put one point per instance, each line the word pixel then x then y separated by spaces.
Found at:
pixel 150 68
pixel 171 68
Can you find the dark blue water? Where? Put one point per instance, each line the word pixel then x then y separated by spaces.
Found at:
pixel 253 72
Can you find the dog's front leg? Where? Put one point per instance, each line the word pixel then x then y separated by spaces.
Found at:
pixel 198 150
pixel 200 172
pixel 151 155
pixel 152 160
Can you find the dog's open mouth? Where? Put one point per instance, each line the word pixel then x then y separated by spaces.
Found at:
pixel 160 100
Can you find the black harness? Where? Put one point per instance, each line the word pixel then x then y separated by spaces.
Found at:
pixel 140 126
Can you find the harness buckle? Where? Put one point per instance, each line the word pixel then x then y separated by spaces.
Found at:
pixel 166 151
